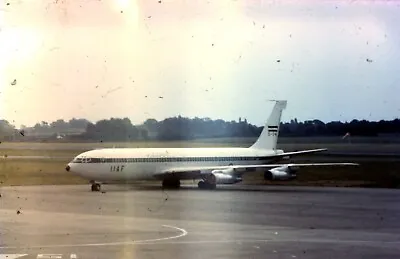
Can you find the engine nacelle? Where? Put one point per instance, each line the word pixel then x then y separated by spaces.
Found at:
pixel 280 173
pixel 223 177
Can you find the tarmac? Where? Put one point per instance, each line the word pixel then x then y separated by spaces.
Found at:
pixel 234 221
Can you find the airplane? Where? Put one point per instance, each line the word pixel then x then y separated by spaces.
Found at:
pixel 211 166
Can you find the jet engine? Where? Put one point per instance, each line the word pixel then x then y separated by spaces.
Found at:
pixel 226 176
pixel 280 173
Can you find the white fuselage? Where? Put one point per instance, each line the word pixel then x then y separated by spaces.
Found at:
pixel 132 164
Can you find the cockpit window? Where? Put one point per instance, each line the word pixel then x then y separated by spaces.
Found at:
pixel 77 160
pixel 82 159
pixel 86 160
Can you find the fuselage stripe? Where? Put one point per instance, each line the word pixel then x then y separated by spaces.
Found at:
pixel 167 159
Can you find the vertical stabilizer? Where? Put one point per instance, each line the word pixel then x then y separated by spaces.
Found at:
pixel 269 136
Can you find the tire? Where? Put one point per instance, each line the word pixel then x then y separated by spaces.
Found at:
pixel 201 185
pixel 96 187
pixel 171 183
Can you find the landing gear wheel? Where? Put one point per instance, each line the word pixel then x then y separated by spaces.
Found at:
pixel 206 185
pixel 96 187
pixel 171 183
pixel 201 185
pixel 212 186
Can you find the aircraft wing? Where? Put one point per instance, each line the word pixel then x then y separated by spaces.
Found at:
pixel 196 171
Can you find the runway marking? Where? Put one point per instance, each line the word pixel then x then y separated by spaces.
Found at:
pixel 11 256
pixel 281 241
pixel 182 234
pixel 238 241
pixel 49 256
pixel 209 241
pixel 39 256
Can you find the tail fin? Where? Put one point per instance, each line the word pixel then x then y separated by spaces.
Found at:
pixel 269 136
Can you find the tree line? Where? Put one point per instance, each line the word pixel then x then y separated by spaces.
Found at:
pixel 182 128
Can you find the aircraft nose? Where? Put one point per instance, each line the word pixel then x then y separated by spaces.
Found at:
pixel 67 168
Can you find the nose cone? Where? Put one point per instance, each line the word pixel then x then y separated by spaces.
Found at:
pixel 68 168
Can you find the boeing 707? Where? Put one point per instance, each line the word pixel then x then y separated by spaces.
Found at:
pixel 211 166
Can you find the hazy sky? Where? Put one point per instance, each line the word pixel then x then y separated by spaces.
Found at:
pixel 100 58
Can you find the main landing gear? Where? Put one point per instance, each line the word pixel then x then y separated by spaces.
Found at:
pixel 96 187
pixel 209 182
pixel 204 185
pixel 171 183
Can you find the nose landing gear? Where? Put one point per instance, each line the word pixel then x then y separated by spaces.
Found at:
pixel 96 187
